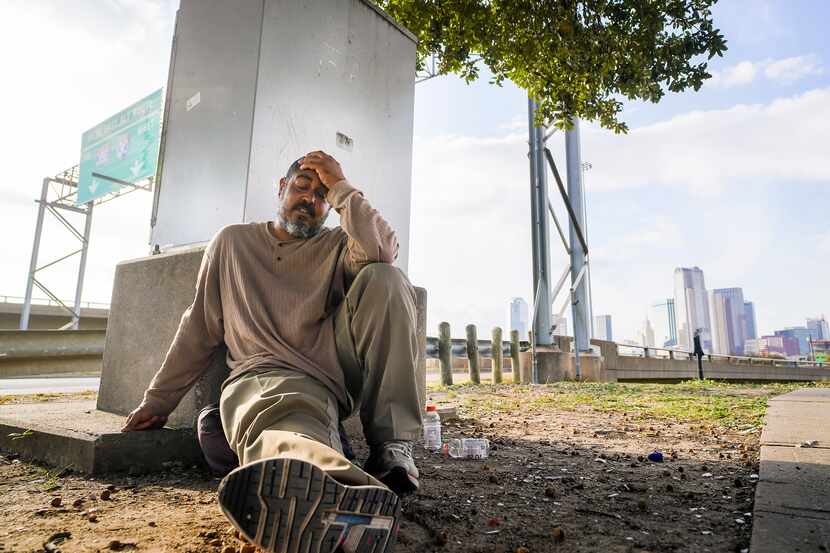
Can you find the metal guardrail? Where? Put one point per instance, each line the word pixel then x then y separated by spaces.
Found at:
pixel 50 302
pixel 459 348
pixel 738 359
pixel 25 353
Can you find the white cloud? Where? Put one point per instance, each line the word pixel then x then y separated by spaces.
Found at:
pixel 789 70
pixel 782 71
pixel 706 150
pixel 740 74
pixel 823 243
pixel 702 150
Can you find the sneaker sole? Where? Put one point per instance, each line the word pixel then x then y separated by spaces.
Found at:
pixel 291 506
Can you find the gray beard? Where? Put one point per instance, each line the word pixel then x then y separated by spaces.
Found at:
pixel 299 229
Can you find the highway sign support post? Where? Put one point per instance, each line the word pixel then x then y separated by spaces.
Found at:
pixel 76 311
pixel 30 281
pixel 64 184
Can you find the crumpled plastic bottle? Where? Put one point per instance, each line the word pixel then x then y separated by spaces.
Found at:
pixel 467 448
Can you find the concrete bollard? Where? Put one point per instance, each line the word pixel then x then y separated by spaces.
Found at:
pixel 445 353
pixel 514 357
pixel 472 354
pixel 497 355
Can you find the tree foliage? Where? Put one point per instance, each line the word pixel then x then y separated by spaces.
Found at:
pixel 575 57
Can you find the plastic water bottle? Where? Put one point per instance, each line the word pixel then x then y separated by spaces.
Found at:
pixel 468 448
pixel 432 428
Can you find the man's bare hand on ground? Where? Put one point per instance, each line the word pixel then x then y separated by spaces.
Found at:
pixel 142 419
pixel 327 168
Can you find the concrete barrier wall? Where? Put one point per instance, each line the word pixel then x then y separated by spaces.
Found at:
pixel 42 352
pixel 660 369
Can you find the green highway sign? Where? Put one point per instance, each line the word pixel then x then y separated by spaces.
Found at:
pixel 123 148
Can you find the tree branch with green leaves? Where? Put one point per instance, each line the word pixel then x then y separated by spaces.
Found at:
pixel 575 57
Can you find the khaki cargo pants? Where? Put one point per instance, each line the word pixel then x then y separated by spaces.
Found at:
pixel 285 413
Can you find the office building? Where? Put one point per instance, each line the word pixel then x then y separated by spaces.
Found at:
pixel 750 322
pixel 518 317
pixel 666 320
pixel 779 346
pixel 752 347
pixel 672 320
pixel 647 334
pixel 602 328
pixel 691 304
pixel 818 328
pixel 801 334
pixel 560 325
pixel 727 313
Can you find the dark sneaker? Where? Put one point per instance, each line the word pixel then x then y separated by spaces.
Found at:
pixel 283 505
pixel 392 464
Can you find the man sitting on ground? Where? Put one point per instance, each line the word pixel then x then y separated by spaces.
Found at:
pixel 316 322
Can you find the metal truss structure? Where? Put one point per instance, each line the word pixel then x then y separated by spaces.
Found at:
pixel 576 245
pixel 429 70
pixel 59 194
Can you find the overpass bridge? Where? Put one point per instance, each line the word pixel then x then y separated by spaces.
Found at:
pixel 49 314
pixel 44 349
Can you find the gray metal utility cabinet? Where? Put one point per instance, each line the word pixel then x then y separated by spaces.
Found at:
pixel 255 84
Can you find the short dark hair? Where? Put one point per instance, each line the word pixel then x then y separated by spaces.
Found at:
pixel 293 169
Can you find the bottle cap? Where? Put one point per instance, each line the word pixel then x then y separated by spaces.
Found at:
pixel 431 407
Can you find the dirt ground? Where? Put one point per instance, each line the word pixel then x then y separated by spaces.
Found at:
pixel 569 478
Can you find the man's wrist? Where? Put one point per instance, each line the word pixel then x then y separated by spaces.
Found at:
pixel 339 192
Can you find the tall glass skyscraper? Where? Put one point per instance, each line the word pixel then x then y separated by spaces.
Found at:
pixel 691 304
pixel 819 328
pixel 647 334
pixel 672 318
pixel 750 322
pixel 518 317
pixel 728 317
pixel 602 328
pixel 667 322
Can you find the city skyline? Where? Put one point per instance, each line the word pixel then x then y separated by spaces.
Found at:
pixel 733 322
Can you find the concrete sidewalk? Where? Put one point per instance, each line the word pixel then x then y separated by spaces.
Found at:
pixel 792 500
pixel 75 435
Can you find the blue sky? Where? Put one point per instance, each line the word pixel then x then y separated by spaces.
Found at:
pixel 734 178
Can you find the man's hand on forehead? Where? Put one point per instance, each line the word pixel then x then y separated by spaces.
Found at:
pixel 327 168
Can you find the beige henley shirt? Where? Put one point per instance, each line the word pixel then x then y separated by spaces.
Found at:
pixel 272 302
